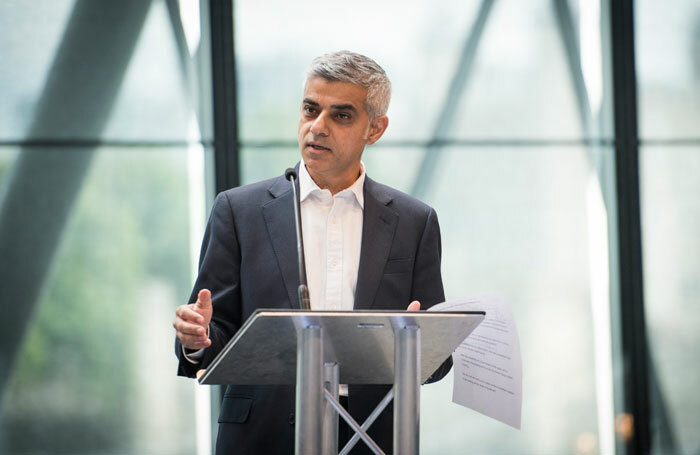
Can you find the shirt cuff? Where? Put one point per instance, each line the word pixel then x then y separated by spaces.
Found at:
pixel 196 356
pixel 193 357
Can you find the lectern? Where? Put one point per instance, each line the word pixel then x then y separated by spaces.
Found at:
pixel 318 350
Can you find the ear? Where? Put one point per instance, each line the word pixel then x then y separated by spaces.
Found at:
pixel 377 128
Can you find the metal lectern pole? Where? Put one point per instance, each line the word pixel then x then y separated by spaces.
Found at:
pixel 406 390
pixel 309 392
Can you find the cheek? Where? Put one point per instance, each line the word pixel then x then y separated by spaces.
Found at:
pixel 302 129
pixel 357 137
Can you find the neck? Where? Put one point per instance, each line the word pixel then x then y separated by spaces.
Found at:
pixel 337 183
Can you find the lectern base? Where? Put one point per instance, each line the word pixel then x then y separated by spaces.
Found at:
pixel 317 423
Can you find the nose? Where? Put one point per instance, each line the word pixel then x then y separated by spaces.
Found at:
pixel 319 127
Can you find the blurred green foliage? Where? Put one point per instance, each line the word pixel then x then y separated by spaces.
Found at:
pixel 129 226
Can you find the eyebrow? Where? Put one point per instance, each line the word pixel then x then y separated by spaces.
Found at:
pixel 344 107
pixel 340 107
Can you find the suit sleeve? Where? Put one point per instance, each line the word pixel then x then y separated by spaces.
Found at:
pixel 219 271
pixel 427 278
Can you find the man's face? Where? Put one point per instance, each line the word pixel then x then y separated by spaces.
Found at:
pixel 334 129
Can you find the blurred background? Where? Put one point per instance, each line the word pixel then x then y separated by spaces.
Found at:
pixel 558 140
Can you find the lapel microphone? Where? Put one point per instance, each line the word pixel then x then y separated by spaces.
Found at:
pixel 303 290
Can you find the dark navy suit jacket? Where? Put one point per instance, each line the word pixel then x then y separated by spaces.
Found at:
pixel 249 261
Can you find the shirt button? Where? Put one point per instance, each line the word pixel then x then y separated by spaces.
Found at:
pixel 334 262
pixel 334 220
pixel 291 419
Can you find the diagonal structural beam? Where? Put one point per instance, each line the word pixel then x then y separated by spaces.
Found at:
pixel 39 195
pixel 567 30
pixel 180 38
pixel 192 65
pixel 661 424
pixel 426 171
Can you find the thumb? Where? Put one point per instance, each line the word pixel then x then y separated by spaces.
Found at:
pixel 204 299
pixel 413 306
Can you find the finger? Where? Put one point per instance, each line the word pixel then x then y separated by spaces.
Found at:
pixel 204 298
pixel 193 342
pixel 188 340
pixel 187 313
pixel 189 329
pixel 196 345
pixel 413 306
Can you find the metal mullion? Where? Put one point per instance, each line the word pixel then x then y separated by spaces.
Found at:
pixel 514 142
pixel 632 329
pixel 224 117
pixel 224 100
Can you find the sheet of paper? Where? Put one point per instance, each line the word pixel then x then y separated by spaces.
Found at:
pixel 487 365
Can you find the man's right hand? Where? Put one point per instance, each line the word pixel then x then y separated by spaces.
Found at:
pixel 192 322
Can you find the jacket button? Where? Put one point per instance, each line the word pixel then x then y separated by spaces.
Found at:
pixel 291 419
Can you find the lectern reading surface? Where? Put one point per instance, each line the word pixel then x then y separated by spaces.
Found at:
pixel 317 349
pixel 264 350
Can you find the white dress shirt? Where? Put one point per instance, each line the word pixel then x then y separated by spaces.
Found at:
pixel 332 231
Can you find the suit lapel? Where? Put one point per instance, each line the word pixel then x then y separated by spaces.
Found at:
pixel 378 228
pixel 279 217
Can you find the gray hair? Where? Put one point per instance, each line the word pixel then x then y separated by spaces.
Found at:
pixel 346 66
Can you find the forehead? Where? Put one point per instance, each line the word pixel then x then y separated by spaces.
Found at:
pixel 331 93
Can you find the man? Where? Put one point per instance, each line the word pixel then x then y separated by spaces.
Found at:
pixel 367 247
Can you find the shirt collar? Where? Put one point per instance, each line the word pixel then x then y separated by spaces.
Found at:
pixel 307 186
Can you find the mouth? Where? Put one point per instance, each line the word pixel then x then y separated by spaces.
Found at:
pixel 318 148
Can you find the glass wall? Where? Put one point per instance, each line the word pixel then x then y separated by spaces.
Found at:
pixel 501 120
pixel 102 201
pixel 668 74
pixel 514 92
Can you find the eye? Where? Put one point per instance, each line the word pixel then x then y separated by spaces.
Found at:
pixel 343 116
pixel 309 109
